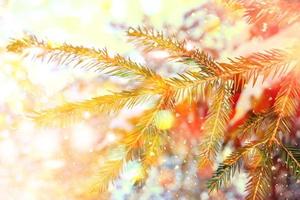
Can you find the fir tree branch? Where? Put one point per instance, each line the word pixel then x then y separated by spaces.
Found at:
pixel 241 70
pixel 154 40
pixel 267 64
pixel 144 137
pixel 215 126
pixel 254 122
pixel 279 12
pixel 72 112
pixel 152 140
pixel 109 171
pixel 83 57
pixel 258 186
pixel 190 86
pixel 286 101
pixel 145 140
pixel 132 142
pixel 291 157
pixel 285 105
pixel 144 127
pixel 227 169
pixel 151 150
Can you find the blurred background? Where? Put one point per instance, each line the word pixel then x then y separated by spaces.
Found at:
pixel 61 163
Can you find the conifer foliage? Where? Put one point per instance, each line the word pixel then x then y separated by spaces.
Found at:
pixel 263 135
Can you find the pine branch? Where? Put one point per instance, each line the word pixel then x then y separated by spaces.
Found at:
pixel 109 171
pixel 286 101
pixel 152 140
pixel 258 186
pixel 152 148
pixel 144 137
pixel 187 85
pixel 267 64
pixel 151 152
pixel 230 165
pixel 285 105
pixel 132 143
pixel 253 123
pixel 146 125
pixel 72 112
pixel 291 157
pixel 279 12
pixel 190 86
pixel 215 126
pixel 83 57
pixel 145 140
pixel 154 40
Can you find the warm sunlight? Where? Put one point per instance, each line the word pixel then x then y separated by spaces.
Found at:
pixel 150 100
